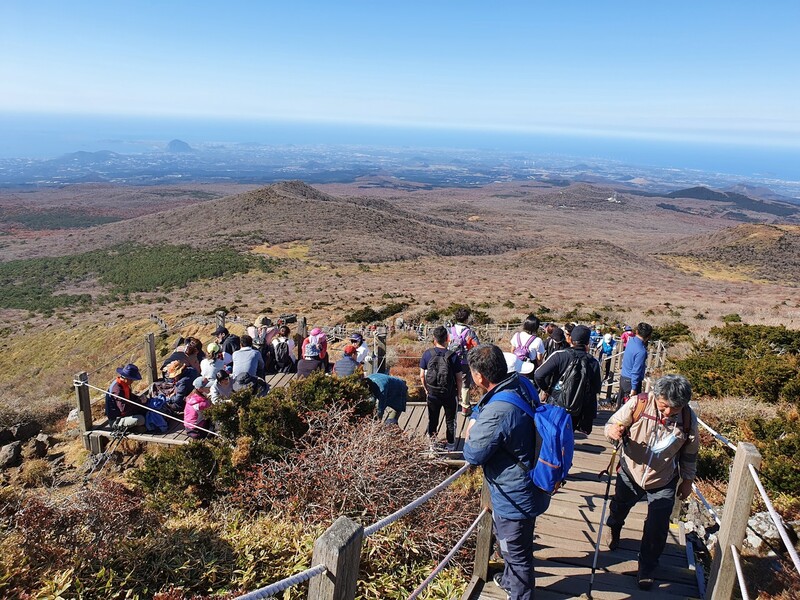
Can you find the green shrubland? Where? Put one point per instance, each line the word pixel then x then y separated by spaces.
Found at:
pixel 40 284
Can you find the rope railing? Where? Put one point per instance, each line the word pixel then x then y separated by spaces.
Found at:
pixel 739 573
pixel 718 436
pixel 78 383
pixel 705 502
pixel 776 519
pixel 399 514
pixel 446 560
pixel 284 584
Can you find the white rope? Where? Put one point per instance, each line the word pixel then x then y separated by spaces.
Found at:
pixel 717 435
pixel 415 504
pixel 739 572
pixel 440 567
pixel 708 506
pixel 283 584
pixel 776 518
pixel 78 383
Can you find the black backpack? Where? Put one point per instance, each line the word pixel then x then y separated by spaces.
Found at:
pixel 283 360
pixel 440 376
pixel 574 384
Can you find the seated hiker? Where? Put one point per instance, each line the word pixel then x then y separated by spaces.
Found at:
pixel 363 354
pixel 230 343
pixel 285 351
pixel 128 412
pixel 310 362
pixel 247 360
pixel 178 353
pixel 182 377
pixel 391 396
pixel 196 403
pixel 347 365
pixel 320 340
pixel 221 387
pixel 213 363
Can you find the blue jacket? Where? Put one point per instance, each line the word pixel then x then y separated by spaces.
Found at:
pixel 634 362
pixel 501 436
pixel 391 391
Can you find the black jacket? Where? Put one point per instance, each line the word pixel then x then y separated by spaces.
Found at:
pixel 548 375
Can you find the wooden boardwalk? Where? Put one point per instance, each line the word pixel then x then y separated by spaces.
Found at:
pixel 565 535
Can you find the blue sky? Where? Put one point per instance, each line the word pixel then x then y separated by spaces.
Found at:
pixel 673 70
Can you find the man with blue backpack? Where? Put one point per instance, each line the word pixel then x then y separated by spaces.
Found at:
pixel 522 470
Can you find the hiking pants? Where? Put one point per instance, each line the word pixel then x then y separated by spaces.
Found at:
pixel 624 390
pixel 467 384
pixel 435 405
pixel 515 539
pixel 660 502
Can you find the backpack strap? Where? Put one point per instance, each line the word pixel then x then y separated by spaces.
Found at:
pixel 512 398
pixel 527 345
pixel 686 414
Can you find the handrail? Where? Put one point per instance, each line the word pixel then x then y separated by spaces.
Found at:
pixel 717 435
pixel 776 519
pixel 739 573
pixel 440 567
pixel 705 502
pixel 283 584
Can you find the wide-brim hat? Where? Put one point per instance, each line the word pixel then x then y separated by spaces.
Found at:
pixel 174 368
pixel 200 383
pixel 129 371
pixel 515 365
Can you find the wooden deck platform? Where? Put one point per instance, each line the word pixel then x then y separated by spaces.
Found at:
pixel 176 434
pixel 565 535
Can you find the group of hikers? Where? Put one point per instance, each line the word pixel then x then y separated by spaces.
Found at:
pixel 534 400
pixel 551 373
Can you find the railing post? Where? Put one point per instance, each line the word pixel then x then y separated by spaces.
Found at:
pixel 339 549
pixel 302 333
pixel 735 515
pixel 379 364
pixel 219 317
pixel 151 367
pixel 484 545
pixel 84 407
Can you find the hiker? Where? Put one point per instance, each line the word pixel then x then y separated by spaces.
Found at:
pixel 263 332
pixel 285 352
pixel 119 412
pixel 363 355
pixel 347 365
pixel 221 387
pixel 595 336
pixel 196 403
pixel 391 396
pixel 213 363
pixel 606 347
pixel 442 379
pixel 186 351
pixel 556 340
pixel 658 433
pixel 247 360
pixel 626 336
pixel 462 340
pixel 310 362
pixel 320 340
pixel 571 378
pixel 498 440
pixel 634 364
pixel 182 377
pixel 526 344
pixel 230 343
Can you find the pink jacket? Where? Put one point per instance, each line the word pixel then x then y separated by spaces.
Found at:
pixel 193 411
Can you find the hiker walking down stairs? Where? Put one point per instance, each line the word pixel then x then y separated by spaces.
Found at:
pixel 462 340
pixel 658 433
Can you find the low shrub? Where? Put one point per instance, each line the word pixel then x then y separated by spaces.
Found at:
pixel 672 332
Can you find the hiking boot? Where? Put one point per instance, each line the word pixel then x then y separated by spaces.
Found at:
pixel 611 537
pixel 645 578
pixel 498 581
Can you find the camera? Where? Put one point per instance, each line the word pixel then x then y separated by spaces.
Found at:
pixel 286 319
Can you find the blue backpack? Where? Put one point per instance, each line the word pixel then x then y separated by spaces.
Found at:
pixel 555 442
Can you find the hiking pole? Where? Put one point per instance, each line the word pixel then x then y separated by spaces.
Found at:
pixel 607 471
